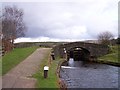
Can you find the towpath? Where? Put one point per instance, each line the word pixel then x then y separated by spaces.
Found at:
pixel 19 77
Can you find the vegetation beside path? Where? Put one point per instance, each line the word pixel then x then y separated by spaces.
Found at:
pixel 112 56
pixel 52 80
pixel 0 65
pixel 13 58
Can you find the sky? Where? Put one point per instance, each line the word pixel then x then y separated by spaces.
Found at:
pixel 67 20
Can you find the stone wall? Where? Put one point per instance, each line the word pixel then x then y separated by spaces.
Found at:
pixel 94 49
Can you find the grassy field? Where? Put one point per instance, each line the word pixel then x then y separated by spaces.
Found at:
pixel 112 56
pixel 51 81
pixel 14 57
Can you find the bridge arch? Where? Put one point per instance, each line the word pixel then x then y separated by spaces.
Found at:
pixel 78 53
pixel 95 50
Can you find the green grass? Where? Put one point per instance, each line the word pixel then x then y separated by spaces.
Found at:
pixel 52 79
pixel 0 65
pixel 112 56
pixel 14 57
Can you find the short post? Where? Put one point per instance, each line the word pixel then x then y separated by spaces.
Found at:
pixel 65 54
pixel 53 55
pixel 46 68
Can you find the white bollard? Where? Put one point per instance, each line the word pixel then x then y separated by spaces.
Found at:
pixel 46 68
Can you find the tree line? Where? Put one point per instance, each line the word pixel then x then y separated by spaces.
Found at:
pixel 107 38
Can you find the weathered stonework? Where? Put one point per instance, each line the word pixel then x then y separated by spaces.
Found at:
pixel 94 49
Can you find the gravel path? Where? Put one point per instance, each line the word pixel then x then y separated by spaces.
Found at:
pixel 19 77
pixel 92 76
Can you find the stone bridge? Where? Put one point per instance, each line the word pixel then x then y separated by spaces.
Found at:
pixel 92 49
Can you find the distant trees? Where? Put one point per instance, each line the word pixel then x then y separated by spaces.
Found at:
pixel 105 37
pixel 118 40
pixel 12 26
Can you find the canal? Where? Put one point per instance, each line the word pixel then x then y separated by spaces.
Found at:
pixel 92 75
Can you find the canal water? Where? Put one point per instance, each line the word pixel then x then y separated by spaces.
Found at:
pixel 92 75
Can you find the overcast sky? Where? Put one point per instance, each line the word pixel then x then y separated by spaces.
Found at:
pixel 68 20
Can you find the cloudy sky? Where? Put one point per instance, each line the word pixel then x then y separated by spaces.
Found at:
pixel 72 20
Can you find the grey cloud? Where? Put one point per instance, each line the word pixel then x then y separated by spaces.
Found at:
pixel 62 20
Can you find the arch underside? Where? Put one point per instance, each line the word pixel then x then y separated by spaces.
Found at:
pixel 78 54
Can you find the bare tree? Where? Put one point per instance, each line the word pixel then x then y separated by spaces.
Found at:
pixel 105 37
pixel 12 24
pixel 118 39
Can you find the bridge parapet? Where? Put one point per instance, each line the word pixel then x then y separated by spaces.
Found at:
pixel 94 49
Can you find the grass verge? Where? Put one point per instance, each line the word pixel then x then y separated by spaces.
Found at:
pixel 0 65
pixel 112 56
pixel 11 59
pixel 52 80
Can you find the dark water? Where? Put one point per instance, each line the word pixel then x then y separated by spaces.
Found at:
pixel 93 75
